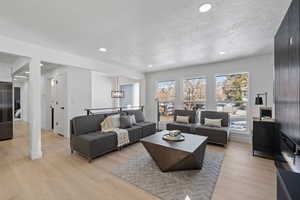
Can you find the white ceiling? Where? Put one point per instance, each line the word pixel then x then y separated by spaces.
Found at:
pixel 164 33
pixel 8 59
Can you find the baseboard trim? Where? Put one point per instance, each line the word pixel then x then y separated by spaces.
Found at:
pixel 36 155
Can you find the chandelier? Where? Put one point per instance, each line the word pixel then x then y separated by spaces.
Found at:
pixel 117 93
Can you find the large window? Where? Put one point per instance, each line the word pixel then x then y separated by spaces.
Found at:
pixel 166 94
pixel 232 97
pixel 127 101
pixel 194 92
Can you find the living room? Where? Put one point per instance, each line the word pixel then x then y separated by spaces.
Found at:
pixel 189 100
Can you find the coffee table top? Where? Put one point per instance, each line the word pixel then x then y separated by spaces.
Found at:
pixel 190 144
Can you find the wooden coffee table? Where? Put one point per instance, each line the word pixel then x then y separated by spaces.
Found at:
pixel 173 156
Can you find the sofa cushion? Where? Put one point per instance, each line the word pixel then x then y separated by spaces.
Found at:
pixel 148 128
pixel 214 134
pixel 225 129
pixel 139 115
pixel 185 128
pixel 95 143
pixel 215 115
pixel 134 133
pixel 86 124
pixel 190 113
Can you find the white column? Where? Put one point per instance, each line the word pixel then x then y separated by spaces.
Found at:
pixel 35 151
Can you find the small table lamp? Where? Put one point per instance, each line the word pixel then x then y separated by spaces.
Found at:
pixel 259 99
pixel 264 112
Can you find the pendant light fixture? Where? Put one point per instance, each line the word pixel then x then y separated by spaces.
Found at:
pixel 117 93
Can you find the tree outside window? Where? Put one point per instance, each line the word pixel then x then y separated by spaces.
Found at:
pixel 194 93
pixel 232 97
pixel 165 95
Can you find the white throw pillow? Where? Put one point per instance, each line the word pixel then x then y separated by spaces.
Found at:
pixel 213 122
pixel 107 124
pixel 132 119
pixel 182 119
pixel 116 121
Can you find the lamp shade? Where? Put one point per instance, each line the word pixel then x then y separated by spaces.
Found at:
pixel 259 100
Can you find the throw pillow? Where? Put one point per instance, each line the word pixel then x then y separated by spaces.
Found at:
pixel 213 122
pixel 107 124
pixel 132 119
pixel 182 119
pixel 116 120
pixel 125 122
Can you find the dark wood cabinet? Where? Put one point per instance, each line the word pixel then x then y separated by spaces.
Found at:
pixel 287 74
pixel 264 138
pixel 6 112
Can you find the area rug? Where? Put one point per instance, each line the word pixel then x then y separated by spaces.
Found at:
pixel 142 172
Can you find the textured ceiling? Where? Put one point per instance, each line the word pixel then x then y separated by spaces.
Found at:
pixel 164 33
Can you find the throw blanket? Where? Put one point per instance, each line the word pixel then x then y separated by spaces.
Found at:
pixel 123 137
pixel 122 134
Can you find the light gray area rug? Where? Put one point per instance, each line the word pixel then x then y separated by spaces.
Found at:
pixel 142 172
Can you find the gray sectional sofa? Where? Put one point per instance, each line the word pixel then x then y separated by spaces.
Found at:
pixel 88 140
pixel 216 135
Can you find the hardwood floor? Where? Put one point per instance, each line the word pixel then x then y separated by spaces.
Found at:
pixel 60 175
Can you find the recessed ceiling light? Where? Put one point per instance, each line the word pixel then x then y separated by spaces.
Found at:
pixel 15 79
pixel 205 7
pixel 27 72
pixel 150 66
pixel 103 49
pixel 222 53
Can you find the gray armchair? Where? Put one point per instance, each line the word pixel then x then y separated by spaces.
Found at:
pixel 185 128
pixel 215 134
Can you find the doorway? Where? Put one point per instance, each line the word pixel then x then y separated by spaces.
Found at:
pixel 57 104
pixel 17 103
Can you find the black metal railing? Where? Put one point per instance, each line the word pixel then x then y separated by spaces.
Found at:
pixel 92 111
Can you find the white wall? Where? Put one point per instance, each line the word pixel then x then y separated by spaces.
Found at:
pixel 260 70
pixel 79 92
pixel 5 73
pixel 78 95
pixel 101 90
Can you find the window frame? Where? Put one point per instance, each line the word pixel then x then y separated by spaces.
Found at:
pixel 183 101
pixel 247 118
pixel 174 98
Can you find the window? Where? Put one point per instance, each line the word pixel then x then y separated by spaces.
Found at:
pixel 127 101
pixel 131 95
pixel 166 94
pixel 232 97
pixel 194 92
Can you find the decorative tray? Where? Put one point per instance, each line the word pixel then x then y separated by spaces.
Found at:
pixel 173 139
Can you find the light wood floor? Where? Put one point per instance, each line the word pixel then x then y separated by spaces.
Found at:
pixel 60 175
